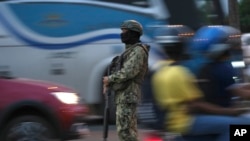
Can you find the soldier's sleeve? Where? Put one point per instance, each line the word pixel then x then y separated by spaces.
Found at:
pixel 132 66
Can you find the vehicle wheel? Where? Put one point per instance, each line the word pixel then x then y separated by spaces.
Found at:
pixel 28 128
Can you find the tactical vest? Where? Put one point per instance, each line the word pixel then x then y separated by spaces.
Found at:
pixel 117 64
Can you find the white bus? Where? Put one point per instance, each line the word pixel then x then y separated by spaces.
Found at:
pixel 72 41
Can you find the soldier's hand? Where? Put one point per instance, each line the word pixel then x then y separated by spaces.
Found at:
pixel 105 84
pixel 104 89
pixel 105 81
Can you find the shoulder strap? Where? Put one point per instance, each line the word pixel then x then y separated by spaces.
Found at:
pixel 145 47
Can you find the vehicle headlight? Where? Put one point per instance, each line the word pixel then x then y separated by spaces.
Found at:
pixel 238 64
pixel 67 97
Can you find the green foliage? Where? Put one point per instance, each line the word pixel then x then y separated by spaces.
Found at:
pixel 208 13
pixel 244 11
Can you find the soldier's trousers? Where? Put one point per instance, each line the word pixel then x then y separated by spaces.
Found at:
pixel 126 121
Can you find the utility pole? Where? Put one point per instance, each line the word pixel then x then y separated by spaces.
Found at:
pixel 233 18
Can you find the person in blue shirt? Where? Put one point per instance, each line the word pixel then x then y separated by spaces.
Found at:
pixel 216 75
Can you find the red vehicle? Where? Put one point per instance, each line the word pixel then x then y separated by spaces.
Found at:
pixel 40 111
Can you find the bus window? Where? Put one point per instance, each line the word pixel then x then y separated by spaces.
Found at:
pixel 139 3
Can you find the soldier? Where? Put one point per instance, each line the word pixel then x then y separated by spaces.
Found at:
pixel 125 80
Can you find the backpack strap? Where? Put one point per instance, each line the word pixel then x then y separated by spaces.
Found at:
pixel 145 47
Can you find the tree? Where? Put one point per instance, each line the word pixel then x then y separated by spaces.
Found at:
pixel 233 18
pixel 244 12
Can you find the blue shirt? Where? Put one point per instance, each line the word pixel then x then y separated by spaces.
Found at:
pixel 214 79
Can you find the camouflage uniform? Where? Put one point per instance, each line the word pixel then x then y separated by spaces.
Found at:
pixel 131 74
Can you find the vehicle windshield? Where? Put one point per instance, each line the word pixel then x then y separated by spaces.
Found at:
pixel 196 13
pixel 140 3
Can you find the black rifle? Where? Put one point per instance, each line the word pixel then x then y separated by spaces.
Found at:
pixel 106 111
pixel 114 66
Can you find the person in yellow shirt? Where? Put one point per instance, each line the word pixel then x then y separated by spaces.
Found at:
pixel 176 92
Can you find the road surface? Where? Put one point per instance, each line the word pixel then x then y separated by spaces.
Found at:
pixel 96 134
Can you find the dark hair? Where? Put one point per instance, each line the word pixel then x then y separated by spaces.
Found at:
pixel 226 53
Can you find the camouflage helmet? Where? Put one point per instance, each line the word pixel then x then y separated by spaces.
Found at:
pixel 132 25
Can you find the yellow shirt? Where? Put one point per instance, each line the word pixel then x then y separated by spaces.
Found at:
pixel 172 87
